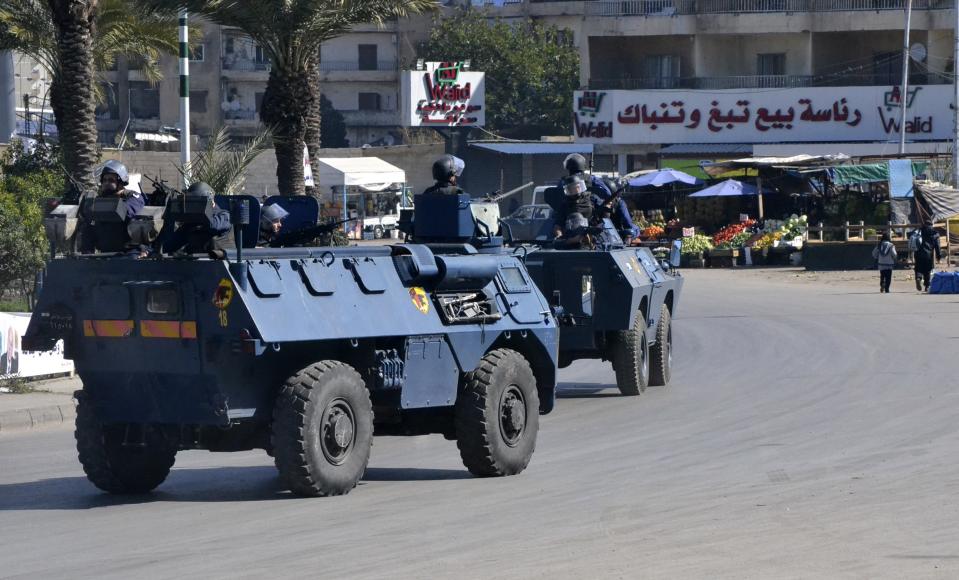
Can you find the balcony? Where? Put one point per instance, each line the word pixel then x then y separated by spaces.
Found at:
pixel 766 81
pixel 617 8
pixel 351 71
pixel 371 118
pixel 245 69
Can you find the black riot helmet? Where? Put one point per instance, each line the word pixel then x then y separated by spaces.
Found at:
pixel 575 163
pixel 447 167
pixel 615 184
pixel 200 189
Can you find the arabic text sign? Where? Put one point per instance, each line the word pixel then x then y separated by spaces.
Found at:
pixel 444 95
pixel 762 116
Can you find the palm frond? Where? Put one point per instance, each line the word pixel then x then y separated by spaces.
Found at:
pixel 223 166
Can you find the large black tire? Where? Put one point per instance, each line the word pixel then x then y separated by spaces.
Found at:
pixel 630 356
pixel 497 415
pixel 322 429
pixel 661 353
pixel 117 468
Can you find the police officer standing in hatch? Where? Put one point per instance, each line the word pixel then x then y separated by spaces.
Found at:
pixel 602 196
pixel 112 237
pixel 576 195
pixel 446 171
pixel 212 237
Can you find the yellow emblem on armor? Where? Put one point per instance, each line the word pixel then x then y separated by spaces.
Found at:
pixel 420 300
pixel 223 294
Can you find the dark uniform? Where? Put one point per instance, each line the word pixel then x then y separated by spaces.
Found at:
pixel 446 170
pixel 211 237
pixel 619 212
pixel 112 237
pixel 927 256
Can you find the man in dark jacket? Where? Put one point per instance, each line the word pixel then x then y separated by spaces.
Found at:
pixel 212 237
pixel 927 255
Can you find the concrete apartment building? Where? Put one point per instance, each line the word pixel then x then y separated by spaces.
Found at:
pixel 657 52
pixel 646 47
pixel 228 76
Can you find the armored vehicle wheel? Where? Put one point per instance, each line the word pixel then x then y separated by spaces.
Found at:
pixel 137 467
pixel 497 415
pixel 661 353
pixel 322 429
pixel 630 355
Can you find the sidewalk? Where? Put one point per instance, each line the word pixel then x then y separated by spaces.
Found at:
pixel 50 404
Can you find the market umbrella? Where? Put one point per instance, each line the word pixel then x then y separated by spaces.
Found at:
pixel 727 188
pixel 662 177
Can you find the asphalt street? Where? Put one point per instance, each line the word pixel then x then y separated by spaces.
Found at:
pixel 811 430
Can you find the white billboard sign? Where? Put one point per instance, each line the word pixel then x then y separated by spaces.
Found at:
pixel 814 114
pixel 445 94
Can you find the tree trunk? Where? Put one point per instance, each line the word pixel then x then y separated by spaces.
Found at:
pixel 313 132
pixel 286 105
pixel 74 20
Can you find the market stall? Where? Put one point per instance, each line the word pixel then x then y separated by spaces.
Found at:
pixel 367 189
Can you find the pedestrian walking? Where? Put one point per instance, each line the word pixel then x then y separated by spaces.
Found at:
pixel 885 255
pixel 924 243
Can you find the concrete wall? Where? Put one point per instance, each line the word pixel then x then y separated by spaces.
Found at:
pixel 720 55
pixel 836 51
pixel 415 160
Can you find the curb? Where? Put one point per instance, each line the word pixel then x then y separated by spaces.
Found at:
pixel 26 419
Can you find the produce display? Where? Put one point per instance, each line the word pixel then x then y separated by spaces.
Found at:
pixel 652 232
pixel 731 236
pixel 697 244
pixel 776 230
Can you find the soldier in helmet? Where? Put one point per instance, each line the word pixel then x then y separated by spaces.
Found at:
pixel 112 237
pixel 577 198
pixel 446 171
pixel 212 237
pixel 271 222
pixel 615 209
pixel 113 181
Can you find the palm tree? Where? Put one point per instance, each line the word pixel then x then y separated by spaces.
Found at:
pixel 76 41
pixel 290 32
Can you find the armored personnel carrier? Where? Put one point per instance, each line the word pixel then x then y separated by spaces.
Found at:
pixel 304 352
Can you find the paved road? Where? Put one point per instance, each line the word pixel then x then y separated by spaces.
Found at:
pixel 810 431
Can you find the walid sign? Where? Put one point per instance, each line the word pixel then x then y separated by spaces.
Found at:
pixel 445 94
pixel 781 116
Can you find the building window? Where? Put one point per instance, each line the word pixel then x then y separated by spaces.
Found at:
pixel 259 101
pixel 144 101
pixel 197 53
pixel 198 101
pixel 260 58
pixel 771 64
pixel 662 70
pixel 367 57
pixel 369 101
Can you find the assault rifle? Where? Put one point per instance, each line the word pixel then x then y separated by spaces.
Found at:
pixel 306 235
